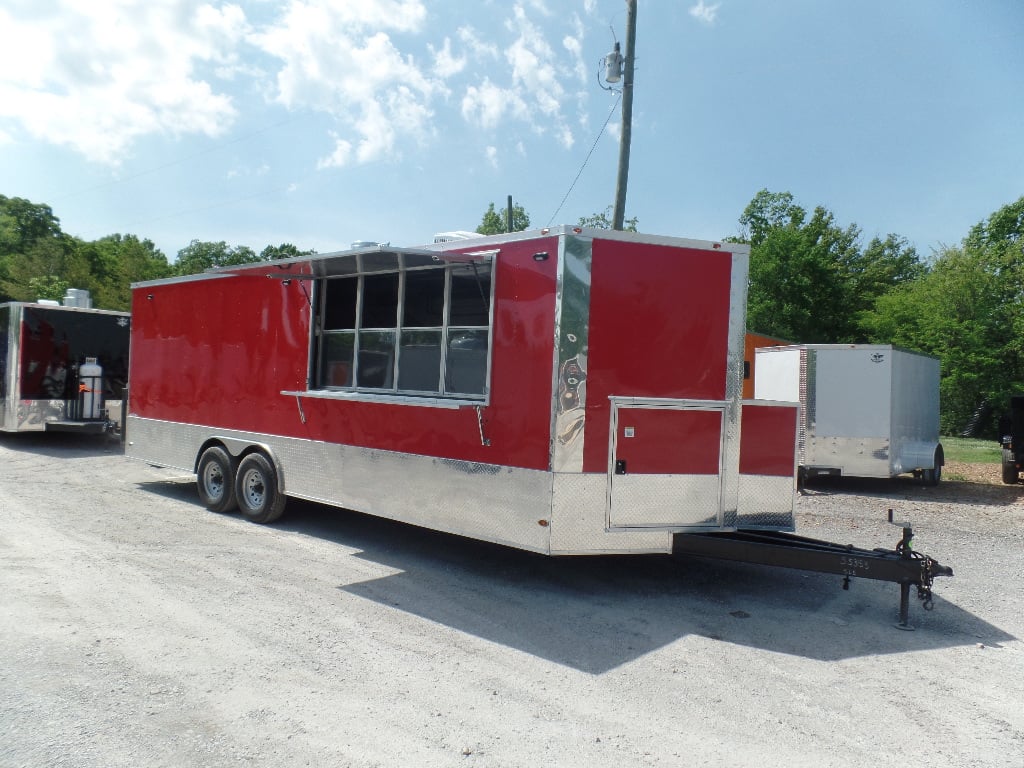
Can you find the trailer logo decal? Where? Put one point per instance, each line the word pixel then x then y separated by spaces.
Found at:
pixel 877 357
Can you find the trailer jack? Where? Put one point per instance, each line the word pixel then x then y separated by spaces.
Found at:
pixel 901 565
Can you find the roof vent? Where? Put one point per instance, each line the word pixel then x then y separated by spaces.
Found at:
pixel 447 237
pixel 78 297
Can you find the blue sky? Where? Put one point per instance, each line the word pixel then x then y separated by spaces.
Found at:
pixel 323 122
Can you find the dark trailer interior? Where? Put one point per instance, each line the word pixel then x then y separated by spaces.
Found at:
pixel 42 352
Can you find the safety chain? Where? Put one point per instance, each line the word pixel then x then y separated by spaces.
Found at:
pixel 924 588
pixel 480 424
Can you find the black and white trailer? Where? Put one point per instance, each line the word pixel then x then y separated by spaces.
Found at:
pixel 62 368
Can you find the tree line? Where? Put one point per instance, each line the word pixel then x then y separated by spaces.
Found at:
pixel 812 280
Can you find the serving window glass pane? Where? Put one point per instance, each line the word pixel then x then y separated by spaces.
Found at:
pixel 380 301
pixel 423 303
pixel 340 304
pixel 466 362
pixel 336 362
pixel 470 294
pixel 376 360
pixel 419 361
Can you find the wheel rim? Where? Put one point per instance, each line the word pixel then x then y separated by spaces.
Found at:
pixel 253 489
pixel 213 481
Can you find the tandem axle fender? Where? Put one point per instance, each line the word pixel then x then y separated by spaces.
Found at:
pixel 901 565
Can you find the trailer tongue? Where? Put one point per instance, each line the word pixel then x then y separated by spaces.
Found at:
pixel 901 565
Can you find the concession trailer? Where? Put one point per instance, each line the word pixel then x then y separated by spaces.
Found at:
pixel 563 391
pixel 62 368
pixel 868 410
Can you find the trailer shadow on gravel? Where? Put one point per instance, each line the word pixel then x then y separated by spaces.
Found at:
pixel 905 488
pixel 62 445
pixel 597 613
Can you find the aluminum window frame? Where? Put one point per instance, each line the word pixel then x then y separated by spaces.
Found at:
pixel 317 374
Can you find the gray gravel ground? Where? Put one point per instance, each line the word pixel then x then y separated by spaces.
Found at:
pixel 137 629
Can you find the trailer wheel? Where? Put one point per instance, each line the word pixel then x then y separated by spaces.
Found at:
pixel 215 478
pixel 934 475
pixel 1010 472
pixel 259 499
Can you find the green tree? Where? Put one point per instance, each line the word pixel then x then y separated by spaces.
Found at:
pixel 48 287
pixel 23 223
pixel 493 223
pixel 198 256
pixel 809 281
pixel 46 259
pixel 283 251
pixel 884 264
pixel 798 282
pixel 603 220
pixel 117 261
pixel 31 245
pixel 968 310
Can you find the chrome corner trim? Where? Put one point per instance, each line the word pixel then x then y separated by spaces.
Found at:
pixel 572 322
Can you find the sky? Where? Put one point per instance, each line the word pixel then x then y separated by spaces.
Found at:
pixel 324 122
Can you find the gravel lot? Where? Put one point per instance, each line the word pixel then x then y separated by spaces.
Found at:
pixel 137 629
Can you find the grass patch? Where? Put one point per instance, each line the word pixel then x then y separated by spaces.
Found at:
pixel 971 450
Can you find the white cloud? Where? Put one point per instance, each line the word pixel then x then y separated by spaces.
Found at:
pixel 339 157
pixel 479 48
pixel 705 13
pixel 96 76
pixel 338 58
pixel 486 104
pixel 445 64
pixel 536 81
pixel 574 45
pixel 491 153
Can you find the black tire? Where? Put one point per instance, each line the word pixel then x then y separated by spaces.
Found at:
pixel 215 479
pixel 931 476
pixel 259 499
pixel 1011 475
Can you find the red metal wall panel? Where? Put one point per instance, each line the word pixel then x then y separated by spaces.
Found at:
pixel 768 440
pixel 669 442
pixel 219 352
pixel 659 327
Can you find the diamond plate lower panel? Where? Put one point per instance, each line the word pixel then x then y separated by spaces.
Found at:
pixel 766 502
pixel 677 501
pixel 578 521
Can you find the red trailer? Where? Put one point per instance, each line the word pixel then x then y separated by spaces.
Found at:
pixel 565 391
pixel 562 390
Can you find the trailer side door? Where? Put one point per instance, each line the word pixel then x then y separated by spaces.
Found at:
pixel 666 464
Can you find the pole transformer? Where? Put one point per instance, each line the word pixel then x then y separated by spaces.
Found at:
pixel 627 117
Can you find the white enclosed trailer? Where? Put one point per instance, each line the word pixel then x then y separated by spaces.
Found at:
pixel 868 410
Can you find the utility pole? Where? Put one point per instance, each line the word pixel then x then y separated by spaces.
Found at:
pixel 627 117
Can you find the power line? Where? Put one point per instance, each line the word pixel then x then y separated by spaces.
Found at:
pixel 587 158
